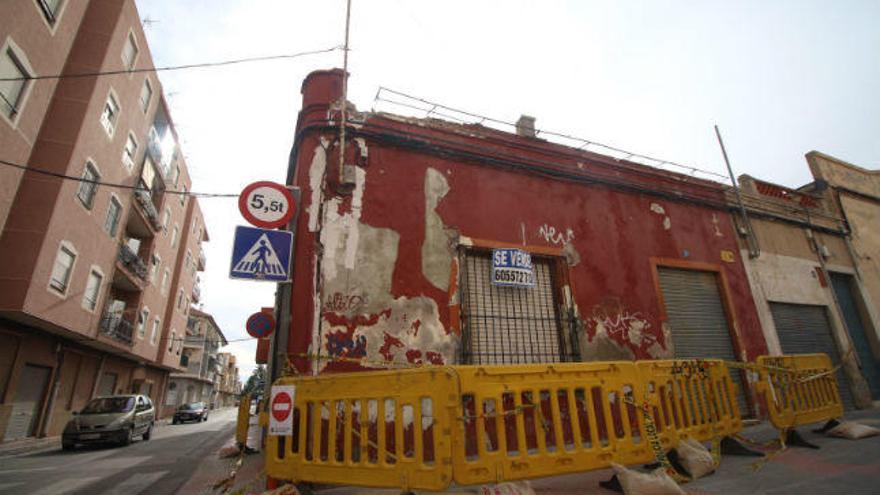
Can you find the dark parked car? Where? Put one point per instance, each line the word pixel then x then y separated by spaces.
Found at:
pixel 193 411
pixel 117 419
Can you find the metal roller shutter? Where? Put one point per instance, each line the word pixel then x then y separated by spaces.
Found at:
pixel 804 329
pixel 699 324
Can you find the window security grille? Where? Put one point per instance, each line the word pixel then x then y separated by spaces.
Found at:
pixel 508 325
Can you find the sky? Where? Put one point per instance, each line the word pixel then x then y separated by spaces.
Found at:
pixel 780 78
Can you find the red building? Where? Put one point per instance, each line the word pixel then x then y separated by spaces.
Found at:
pixel 393 252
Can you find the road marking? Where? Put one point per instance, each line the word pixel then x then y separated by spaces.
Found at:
pixel 26 470
pixel 136 484
pixel 65 486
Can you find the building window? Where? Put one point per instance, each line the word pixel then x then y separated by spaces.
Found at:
pixel 174 236
pixel 155 268
pixel 165 278
pixel 143 318
pixel 155 333
pixel 130 151
pixel 146 95
pixel 186 306
pixel 50 9
pixel 129 52
pixel 183 195
pixel 165 219
pixel 12 92
pixel 110 115
pixel 93 289
pixel 188 259
pixel 88 186
pixel 171 340
pixel 180 299
pixel 113 213
pixel 62 269
pixel 176 176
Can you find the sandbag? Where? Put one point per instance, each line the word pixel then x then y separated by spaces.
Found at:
pixel 695 458
pixel 852 431
pixel 656 482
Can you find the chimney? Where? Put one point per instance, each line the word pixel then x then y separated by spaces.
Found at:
pixel 525 126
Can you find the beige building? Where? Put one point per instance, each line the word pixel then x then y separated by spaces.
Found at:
pixel 201 372
pixel 229 387
pixel 855 193
pixel 805 279
pixel 91 270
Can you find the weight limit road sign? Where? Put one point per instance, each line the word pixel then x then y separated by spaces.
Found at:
pixel 266 204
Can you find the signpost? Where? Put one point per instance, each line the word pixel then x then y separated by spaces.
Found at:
pixel 260 254
pixel 281 410
pixel 512 268
pixel 266 204
pixel 260 325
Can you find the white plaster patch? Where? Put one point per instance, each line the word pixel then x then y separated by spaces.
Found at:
pixel 667 222
pixel 316 183
pixel 437 251
pixel 354 217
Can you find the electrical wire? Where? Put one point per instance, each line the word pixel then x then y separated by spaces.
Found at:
pixel 585 143
pixel 174 67
pixel 112 184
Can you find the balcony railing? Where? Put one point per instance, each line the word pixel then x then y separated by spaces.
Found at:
pixel 132 263
pixel 194 341
pixel 115 326
pixel 145 200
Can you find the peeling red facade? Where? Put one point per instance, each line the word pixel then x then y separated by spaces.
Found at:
pixel 415 194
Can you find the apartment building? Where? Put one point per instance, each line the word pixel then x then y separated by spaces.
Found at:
pixel 201 368
pixel 91 272
pixel 230 386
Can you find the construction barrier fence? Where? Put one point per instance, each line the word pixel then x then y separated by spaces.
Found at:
pixel 799 389
pixel 425 428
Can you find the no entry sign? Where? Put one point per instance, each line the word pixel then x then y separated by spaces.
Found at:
pixel 260 325
pixel 281 410
pixel 266 204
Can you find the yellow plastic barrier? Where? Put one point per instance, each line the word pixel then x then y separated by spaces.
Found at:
pixel 693 398
pixel 799 389
pixel 376 429
pixel 243 420
pixel 528 421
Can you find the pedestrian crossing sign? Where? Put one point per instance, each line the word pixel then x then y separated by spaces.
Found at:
pixel 261 254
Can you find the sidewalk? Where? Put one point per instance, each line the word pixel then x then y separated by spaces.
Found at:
pixel 839 467
pixel 249 477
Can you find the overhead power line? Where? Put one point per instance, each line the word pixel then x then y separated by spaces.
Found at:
pixel 115 185
pixel 174 67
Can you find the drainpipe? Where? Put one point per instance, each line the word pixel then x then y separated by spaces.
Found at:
pixel 56 384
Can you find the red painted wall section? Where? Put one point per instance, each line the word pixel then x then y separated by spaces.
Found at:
pixel 384 253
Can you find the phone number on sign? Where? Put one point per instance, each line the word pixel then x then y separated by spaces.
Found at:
pixel 513 277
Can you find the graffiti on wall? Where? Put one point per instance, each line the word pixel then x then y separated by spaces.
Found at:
pixel 628 329
pixel 345 303
pixel 555 236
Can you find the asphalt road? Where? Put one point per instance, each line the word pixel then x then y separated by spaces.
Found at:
pixel 158 466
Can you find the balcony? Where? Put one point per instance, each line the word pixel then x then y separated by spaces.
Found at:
pixel 202 260
pixel 132 271
pixel 194 341
pixel 144 220
pixel 113 325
